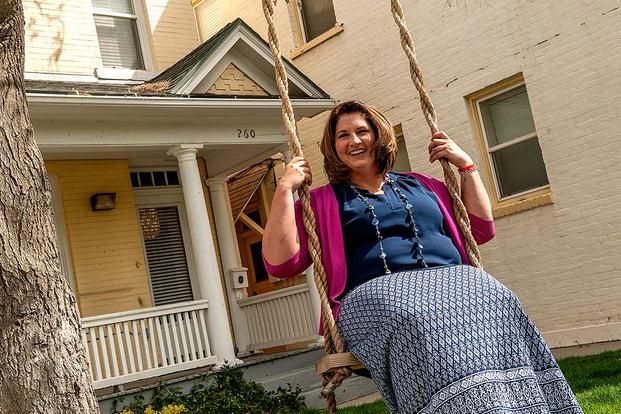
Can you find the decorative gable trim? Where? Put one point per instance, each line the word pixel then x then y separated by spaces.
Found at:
pixel 232 57
pixel 233 81
pixel 224 54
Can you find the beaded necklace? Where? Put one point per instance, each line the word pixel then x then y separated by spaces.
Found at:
pixel 375 222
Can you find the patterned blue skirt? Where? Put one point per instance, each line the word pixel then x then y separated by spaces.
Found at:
pixel 452 340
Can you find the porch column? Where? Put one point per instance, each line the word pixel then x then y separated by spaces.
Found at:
pixel 310 279
pixel 206 262
pixel 229 252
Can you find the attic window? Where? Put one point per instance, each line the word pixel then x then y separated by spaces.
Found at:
pixel 154 178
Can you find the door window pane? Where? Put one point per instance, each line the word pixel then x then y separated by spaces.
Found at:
pixel 260 273
pixel 519 167
pixel 146 179
pixel 159 177
pixel 507 116
pixel 134 177
pixel 318 17
pixel 172 177
pixel 118 42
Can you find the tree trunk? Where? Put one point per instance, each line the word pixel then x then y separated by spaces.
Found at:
pixel 43 367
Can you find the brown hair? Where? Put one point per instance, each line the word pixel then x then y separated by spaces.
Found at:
pixel 384 149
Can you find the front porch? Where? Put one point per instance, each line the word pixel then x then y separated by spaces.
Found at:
pixel 145 345
pixel 159 277
pixel 166 275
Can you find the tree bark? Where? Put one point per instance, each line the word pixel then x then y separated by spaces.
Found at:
pixel 43 366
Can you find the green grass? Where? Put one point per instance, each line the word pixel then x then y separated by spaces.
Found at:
pixel 378 407
pixel 596 381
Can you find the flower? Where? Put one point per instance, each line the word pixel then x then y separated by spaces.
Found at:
pixel 173 409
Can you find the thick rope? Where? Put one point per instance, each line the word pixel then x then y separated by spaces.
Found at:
pixel 459 210
pixel 333 341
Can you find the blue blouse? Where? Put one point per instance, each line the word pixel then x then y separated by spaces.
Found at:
pixel 362 249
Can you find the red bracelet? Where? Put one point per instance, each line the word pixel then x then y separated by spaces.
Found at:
pixel 467 168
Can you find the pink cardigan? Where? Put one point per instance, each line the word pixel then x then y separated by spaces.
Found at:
pixel 329 230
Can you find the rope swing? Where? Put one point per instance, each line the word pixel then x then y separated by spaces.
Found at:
pixel 337 365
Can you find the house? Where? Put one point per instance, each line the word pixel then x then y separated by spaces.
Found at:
pixel 530 90
pixel 141 124
pixel 160 126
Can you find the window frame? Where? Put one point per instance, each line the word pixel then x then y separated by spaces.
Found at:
pixel 399 136
pixel 303 45
pixel 524 200
pixel 144 44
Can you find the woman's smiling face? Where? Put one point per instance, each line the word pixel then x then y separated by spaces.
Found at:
pixel 353 142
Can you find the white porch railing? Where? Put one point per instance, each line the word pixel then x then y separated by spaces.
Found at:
pixel 145 343
pixel 279 318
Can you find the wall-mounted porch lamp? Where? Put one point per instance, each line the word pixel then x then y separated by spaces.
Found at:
pixel 103 201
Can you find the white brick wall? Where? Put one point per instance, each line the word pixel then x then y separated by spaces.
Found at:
pixel 564 259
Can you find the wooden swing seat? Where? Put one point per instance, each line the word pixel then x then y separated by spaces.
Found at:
pixel 332 361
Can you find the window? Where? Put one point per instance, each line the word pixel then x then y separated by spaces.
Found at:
pixel 154 178
pixel 512 155
pixel 117 31
pixel 315 18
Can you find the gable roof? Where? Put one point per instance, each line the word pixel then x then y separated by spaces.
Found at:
pixel 188 67
pixel 190 62
pixel 171 82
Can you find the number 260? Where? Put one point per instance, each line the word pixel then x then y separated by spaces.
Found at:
pixel 246 133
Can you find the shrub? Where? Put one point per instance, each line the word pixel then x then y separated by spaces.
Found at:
pixel 228 392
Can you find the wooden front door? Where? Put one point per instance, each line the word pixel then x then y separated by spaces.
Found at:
pixel 258 280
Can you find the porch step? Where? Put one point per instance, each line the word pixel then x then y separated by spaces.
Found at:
pixel 272 371
pixel 297 369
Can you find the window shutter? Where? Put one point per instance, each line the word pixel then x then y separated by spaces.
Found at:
pixel 166 259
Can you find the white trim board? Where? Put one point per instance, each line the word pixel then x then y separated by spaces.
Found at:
pixel 62 240
pixel 146 101
pixel 583 335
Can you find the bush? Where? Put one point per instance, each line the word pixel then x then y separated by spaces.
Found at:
pixel 228 392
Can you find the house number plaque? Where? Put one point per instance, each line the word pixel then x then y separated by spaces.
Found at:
pixel 246 133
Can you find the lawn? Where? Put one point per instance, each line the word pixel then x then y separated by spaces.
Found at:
pixel 596 381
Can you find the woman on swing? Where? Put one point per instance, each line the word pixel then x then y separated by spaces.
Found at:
pixel 437 335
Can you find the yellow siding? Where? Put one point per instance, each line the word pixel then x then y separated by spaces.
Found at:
pixel 173 30
pixel 208 18
pixel 235 82
pixel 105 246
pixel 212 15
